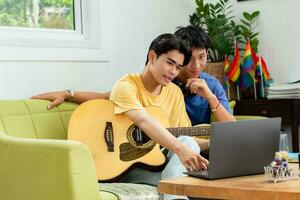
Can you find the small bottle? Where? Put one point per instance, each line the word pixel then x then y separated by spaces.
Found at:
pixel 284 142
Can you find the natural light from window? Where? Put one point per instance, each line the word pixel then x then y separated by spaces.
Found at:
pixel 42 14
pixel 50 30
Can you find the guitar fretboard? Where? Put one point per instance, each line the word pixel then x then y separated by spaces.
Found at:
pixel 190 131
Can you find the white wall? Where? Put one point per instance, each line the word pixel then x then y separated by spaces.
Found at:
pixel 127 28
pixel 279 37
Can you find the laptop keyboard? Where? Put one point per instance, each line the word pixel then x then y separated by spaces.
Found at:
pixel 199 174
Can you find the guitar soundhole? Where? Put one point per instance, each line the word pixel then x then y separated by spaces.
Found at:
pixel 139 137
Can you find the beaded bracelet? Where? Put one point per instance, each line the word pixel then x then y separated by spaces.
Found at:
pixel 213 110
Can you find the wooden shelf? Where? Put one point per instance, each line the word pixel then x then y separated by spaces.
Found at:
pixel 287 109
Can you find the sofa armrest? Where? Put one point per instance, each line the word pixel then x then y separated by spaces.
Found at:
pixel 248 117
pixel 35 169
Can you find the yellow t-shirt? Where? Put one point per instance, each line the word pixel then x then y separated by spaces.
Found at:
pixel 129 93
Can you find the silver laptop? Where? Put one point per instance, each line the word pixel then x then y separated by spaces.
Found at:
pixel 241 148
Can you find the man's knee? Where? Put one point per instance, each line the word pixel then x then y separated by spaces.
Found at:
pixel 190 142
pixel 187 140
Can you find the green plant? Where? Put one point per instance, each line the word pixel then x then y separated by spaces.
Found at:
pixel 217 20
pixel 248 26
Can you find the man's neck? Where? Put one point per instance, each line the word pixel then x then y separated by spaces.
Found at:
pixel 149 82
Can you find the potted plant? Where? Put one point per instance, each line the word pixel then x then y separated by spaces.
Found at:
pixel 248 26
pixel 217 20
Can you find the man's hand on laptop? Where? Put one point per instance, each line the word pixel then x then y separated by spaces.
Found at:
pixel 191 160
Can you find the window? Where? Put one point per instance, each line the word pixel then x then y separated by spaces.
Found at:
pixel 49 14
pixel 53 25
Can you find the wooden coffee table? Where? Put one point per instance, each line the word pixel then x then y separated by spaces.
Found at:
pixel 245 187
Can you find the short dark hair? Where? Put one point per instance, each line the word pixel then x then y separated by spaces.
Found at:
pixel 193 36
pixel 167 42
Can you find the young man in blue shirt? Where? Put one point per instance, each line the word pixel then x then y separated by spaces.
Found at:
pixel 203 93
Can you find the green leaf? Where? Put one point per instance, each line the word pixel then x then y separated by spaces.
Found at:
pixel 244 28
pixel 245 23
pixel 218 6
pixel 254 44
pixel 254 35
pixel 247 16
pixel 254 14
pixel 222 3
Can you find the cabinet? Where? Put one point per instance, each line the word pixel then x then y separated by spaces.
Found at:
pixel 287 109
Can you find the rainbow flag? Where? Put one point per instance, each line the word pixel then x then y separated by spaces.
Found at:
pixel 258 75
pixel 257 65
pixel 247 74
pixel 254 56
pixel 226 68
pixel 265 73
pixel 233 72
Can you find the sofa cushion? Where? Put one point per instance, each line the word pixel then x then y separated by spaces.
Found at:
pixel 105 195
pixel 18 126
pixel 130 191
pixel 31 119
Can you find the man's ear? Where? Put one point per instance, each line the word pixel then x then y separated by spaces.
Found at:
pixel 152 56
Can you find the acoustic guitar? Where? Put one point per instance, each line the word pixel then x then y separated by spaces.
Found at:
pixel 116 143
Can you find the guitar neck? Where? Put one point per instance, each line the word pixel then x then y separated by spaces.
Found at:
pixel 190 131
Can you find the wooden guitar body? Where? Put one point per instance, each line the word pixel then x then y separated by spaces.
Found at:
pixel 94 122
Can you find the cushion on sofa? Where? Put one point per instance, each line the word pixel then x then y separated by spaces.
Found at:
pixel 31 119
pixel 130 191
pixel 105 195
pixel 34 119
pixel 46 169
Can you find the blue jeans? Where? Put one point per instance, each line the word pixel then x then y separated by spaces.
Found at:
pixel 174 168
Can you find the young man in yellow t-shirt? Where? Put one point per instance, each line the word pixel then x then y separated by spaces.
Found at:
pixel 166 55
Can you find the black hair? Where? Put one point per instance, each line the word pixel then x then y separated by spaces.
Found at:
pixel 193 36
pixel 167 42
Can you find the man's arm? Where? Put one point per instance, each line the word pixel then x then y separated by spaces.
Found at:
pixel 58 97
pixel 219 112
pixel 189 158
pixel 199 86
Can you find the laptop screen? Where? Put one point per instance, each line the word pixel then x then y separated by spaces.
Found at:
pixel 242 147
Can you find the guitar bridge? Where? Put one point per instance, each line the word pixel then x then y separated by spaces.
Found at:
pixel 109 136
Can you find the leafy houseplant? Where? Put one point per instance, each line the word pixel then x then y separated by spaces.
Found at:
pixel 248 26
pixel 216 19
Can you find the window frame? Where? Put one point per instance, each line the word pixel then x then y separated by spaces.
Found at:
pixel 54 44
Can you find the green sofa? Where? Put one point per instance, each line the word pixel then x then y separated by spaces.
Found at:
pixel 38 163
